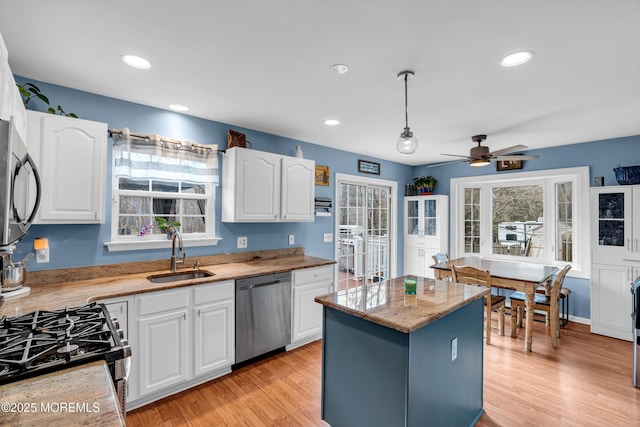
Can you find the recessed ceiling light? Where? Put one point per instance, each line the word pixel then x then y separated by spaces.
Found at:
pixel 339 68
pixel 136 61
pixel 517 58
pixel 332 122
pixel 178 107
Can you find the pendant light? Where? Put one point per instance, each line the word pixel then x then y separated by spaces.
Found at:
pixel 407 143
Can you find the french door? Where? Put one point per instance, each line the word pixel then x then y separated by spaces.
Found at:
pixel 365 229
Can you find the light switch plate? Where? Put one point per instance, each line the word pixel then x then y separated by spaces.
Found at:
pixel 328 237
pixel 242 242
pixel 292 239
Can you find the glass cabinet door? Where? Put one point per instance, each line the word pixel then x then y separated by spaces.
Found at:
pixel 611 215
pixel 412 220
pixel 429 216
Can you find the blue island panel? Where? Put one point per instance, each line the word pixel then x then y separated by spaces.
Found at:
pixel 376 376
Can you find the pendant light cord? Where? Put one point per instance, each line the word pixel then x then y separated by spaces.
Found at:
pixel 406 104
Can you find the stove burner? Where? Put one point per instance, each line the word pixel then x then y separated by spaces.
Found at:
pixel 43 341
pixel 69 349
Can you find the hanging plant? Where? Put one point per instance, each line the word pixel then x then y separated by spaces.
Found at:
pixel 29 91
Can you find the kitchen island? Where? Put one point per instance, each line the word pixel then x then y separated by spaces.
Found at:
pixel 390 359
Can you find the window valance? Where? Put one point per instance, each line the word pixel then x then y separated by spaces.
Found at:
pixel 157 157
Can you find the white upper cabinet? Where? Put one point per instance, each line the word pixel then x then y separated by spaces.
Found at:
pixel 71 155
pixel 266 187
pixel 10 101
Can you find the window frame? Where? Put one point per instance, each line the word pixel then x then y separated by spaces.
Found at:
pixel 579 177
pixel 154 241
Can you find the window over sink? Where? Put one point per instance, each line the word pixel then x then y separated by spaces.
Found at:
pixel 156 177
pixel 537 217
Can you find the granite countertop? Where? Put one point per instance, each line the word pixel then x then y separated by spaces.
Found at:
pixel 386 304
pixel 62 398
pixel 57 289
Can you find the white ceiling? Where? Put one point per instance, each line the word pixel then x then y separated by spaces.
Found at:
pixel 264 65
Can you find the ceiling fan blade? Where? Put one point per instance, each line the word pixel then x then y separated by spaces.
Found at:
pixel 455 155
pixel 507 150
pixel 515 157
pixel 432 165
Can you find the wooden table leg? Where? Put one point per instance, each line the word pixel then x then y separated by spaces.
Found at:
pixel 529 291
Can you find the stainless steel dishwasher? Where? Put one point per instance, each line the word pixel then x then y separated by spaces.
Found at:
pixel 263 315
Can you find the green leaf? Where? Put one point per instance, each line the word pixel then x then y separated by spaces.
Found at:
pixel 43 98
pixel 51 110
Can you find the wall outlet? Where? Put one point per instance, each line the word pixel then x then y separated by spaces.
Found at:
pixel 292 239
pixel 327 238
pixel 454 349
pixel 42 256
pixel 242 242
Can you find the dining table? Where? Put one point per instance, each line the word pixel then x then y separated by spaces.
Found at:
pixel 517 275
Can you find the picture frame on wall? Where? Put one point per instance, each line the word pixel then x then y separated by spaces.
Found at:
pixel 322 175
pixel 365 166
pixel 507 165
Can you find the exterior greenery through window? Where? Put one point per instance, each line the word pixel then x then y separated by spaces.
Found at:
pixel 141 201
pixel 534 216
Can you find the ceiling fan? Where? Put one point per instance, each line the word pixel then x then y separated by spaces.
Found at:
pixel 481 156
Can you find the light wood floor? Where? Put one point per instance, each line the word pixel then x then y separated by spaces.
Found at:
pixel 586 382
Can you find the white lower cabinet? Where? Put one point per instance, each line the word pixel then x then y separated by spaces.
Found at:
pixel 161 320
pixel 611 300
pixel 213 327
pixel 306 325
pixel 179 338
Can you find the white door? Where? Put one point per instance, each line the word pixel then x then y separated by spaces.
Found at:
pixel 365 230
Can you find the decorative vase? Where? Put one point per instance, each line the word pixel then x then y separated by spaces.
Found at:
pixel 298 152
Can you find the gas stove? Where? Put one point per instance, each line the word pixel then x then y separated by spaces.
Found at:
pixel 46 341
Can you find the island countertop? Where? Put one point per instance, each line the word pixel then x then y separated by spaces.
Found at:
pixel 386 304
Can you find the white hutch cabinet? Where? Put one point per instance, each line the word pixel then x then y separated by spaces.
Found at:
pixel 426 232
pixel 615 240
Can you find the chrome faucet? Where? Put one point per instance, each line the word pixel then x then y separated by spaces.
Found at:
pixel 174 262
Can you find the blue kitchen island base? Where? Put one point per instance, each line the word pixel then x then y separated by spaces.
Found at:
pixel 373 375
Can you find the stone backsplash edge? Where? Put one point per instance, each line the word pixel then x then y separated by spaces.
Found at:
pixel 44 277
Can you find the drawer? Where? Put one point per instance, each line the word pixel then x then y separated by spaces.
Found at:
pixel 158 302
pixel 212 292
pixel 311 275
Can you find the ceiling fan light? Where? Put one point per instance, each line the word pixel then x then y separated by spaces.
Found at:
pixel 477 163
pixel 407 143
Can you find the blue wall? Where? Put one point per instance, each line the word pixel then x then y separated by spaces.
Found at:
pixel 81 245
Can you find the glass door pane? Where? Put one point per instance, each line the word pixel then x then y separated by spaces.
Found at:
pixel 363 237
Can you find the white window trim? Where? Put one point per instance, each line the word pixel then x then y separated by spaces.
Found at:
pixel 157 244
pixel 581 265
pixel 141 243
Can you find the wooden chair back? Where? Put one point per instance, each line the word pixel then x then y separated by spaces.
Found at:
pixel 554 294
pixel 471 275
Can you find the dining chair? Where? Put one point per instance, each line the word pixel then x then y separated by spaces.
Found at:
pixel 542 302
pixel 474 276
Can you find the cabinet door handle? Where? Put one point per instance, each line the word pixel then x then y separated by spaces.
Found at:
pixel 184 316
pixel 198 312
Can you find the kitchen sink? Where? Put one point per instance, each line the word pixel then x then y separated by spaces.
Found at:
pixel 176 277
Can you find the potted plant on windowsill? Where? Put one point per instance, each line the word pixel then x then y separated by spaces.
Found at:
pixel 425 184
